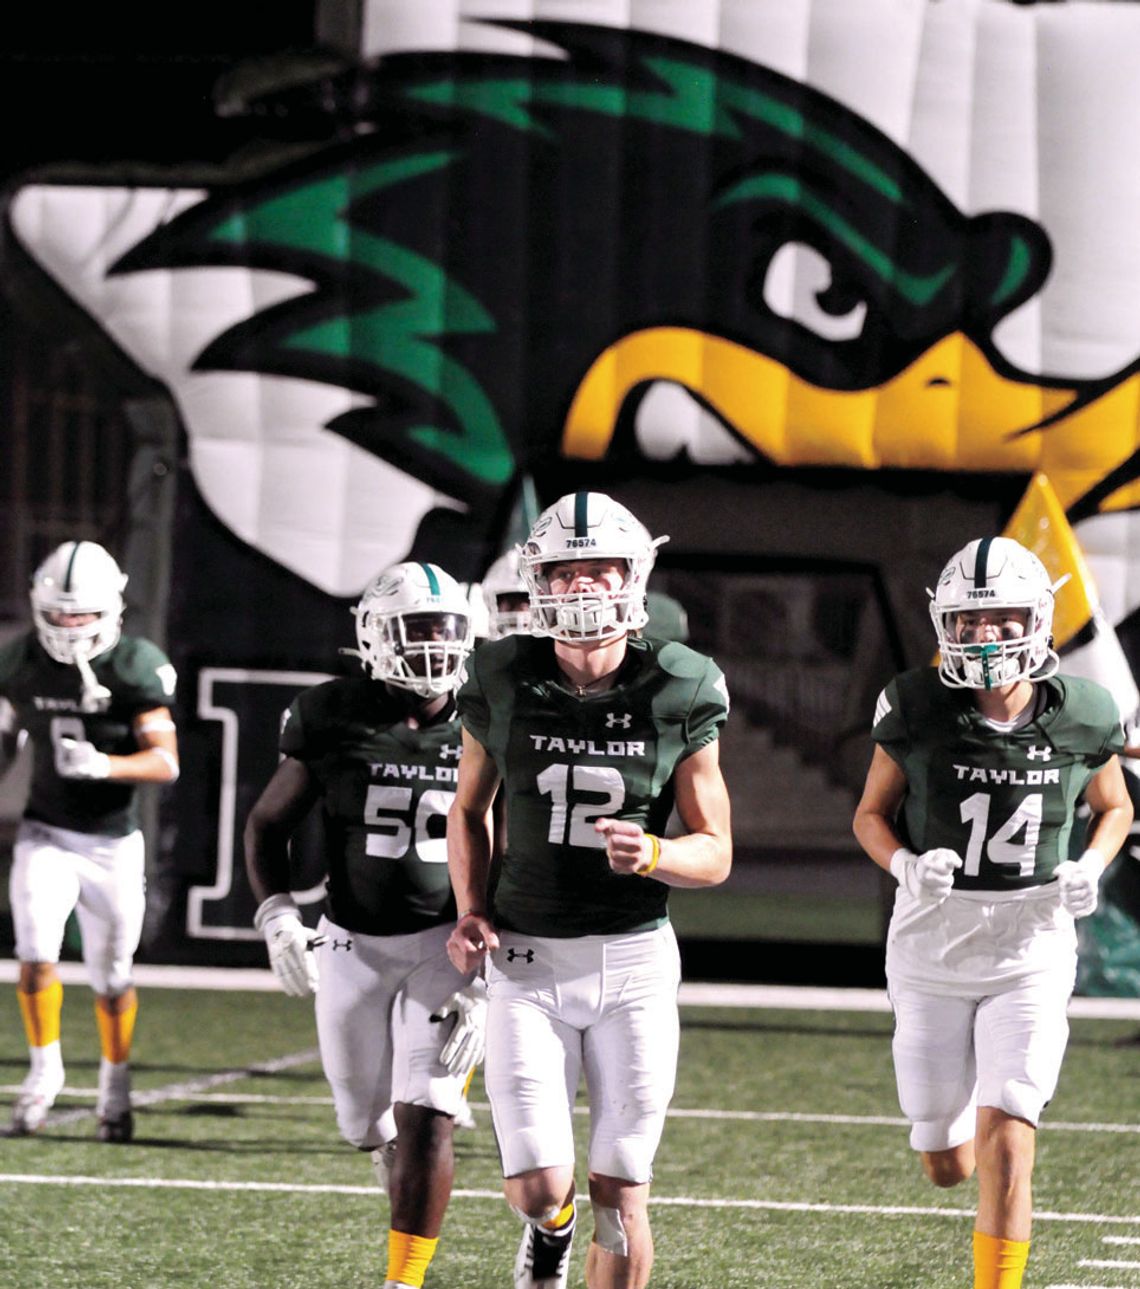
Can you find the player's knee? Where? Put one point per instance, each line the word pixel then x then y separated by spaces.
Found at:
pixel 946 1168
pixel 109 980
pixel 536 1213
pixel 37 976
pixel 540 1196
pixel 611 1233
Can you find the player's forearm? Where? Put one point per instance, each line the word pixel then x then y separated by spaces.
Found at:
pixel 694 860
pixel 1109 830
pixel 877 836
pixel 148 765
pixel 266 857
pixel 468 861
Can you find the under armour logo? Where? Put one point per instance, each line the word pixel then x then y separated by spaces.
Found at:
pixel 1043 752
pixel 342 944
pixel 451 751
pixel 613 719
pixel 527 955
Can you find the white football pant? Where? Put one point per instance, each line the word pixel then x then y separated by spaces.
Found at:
pixel 55 870
pixel 606 1005
pixel 378 1045
pixel 979 988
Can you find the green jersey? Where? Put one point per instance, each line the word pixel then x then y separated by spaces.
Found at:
pixel 1004 800
pixel 566 761
pixel 46 695
pixel 386 789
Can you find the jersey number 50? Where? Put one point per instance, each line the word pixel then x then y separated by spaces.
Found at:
pixel 390 836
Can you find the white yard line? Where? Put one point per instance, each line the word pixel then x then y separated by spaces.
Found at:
pixel 191 1088
pixel 693 993
pixel 196 1090
pixel 661 1201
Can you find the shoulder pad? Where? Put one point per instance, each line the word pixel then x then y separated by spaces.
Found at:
pixel 678 659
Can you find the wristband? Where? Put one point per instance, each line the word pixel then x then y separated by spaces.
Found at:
pixel 655 855
pixel 471 912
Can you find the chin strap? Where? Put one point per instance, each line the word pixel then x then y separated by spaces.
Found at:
pixel 96 697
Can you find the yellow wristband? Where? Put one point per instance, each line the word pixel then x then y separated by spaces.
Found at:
pixel 655 844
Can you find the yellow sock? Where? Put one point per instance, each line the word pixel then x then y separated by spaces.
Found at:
pixel 409 1257
pixel 998 1263
pixel 116 1029
pixel 41 1013
pixel 562 1220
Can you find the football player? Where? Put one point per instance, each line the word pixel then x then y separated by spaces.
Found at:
pixel 977 770
pixel 593 732
pixel 398 1026
pixel 506 597
pixel 95 705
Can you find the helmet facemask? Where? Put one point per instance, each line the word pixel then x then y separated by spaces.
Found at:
pixel 583 617
pixel 1000 577
pixel 414 630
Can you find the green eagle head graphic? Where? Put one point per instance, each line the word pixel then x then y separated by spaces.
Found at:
pixel 504 255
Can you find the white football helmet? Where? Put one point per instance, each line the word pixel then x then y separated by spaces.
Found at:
pixel 78 577
pixel 581 526
pixel 504 578
pixel 994 573
pixel 414 629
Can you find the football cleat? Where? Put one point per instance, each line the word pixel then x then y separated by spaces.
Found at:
pixel 543 1260
pixel 37 1096
pixel 117 1128
pixel 28 1114
pixel 113 1103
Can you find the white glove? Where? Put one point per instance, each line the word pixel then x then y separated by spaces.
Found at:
pixel 464 1049
pixel 290 945
pixel 928 877
pixel 78 759
pixel 1077 881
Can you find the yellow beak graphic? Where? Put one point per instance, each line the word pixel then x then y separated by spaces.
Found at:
pixel 949 410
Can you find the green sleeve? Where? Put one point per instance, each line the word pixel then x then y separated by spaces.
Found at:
pixel 145 674
pixel 293 741
pixel 888 726
pixel 709 710
pixel 471 703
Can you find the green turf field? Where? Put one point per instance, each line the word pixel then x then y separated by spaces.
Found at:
pixel 784 1166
